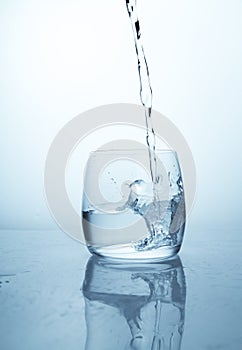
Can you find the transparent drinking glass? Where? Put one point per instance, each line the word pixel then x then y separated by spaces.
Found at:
pixel 124 215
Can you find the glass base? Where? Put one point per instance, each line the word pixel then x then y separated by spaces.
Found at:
pixel 125 251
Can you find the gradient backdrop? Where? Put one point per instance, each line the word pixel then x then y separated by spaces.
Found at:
pixel 60 58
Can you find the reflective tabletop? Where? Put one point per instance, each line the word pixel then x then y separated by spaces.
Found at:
pixel 53 293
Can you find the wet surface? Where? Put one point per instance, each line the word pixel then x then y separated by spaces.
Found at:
pixel 52 294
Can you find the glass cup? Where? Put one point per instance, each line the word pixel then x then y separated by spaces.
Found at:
pixel 126 215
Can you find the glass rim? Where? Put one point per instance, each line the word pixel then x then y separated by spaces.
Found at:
pixel 132 150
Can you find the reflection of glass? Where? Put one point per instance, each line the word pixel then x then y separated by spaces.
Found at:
pixel 135 306
pixel 124 214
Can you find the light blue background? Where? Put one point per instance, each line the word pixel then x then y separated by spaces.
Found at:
pixel 60 58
